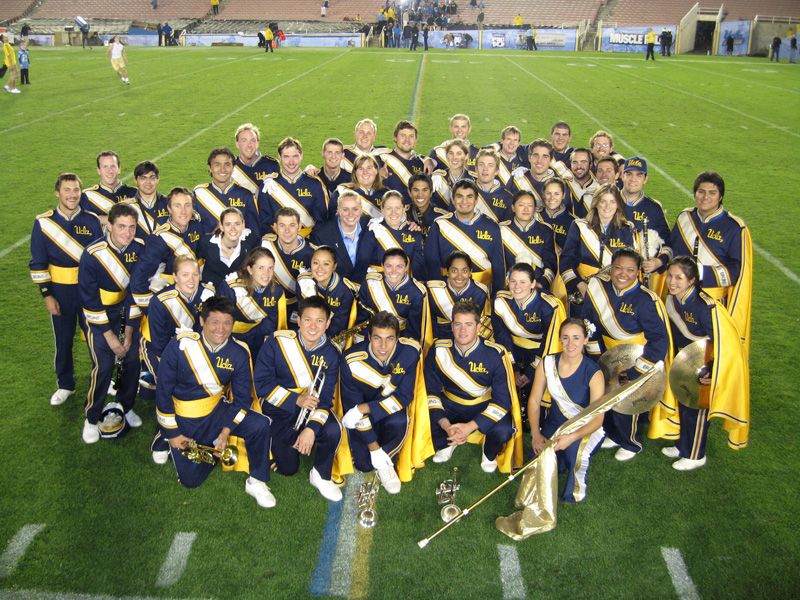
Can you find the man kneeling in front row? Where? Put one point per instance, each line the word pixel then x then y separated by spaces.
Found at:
pixel 194 370
pixel 470 387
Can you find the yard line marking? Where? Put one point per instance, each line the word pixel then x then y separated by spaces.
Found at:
pixel 783 269
pixel 707 125
pixel 175 563
pixel 744 126
pixel 158 114
pixel 714 102
pixel 774 87
pixel 16 244
pixel 672 124
pixel 17 547
pixel 510 572
pixel 679 574
pixel 416 95
pixel 321 579
pixel 40 595
pixel 341 576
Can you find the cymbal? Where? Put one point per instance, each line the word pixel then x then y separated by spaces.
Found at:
pixel 621 358
pixel 684 371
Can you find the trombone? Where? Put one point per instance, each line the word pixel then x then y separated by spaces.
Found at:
pixel 446 493
pixel 316 388
pixel 576 297
pixel 198 453
pixel 365 500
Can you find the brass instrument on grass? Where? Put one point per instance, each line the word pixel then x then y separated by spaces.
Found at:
pixel 447 496
pixel 365 500
pixel 316 388
pixel 198 453
pixel 576 297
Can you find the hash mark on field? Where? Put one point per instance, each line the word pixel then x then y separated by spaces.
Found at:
pixel 177 557
pixel 158 114
pixel 87 114
pixel 679 574
pixel 266 115
pixel 510 572
pixel 17 547
pixel 672 124
pixel 19 114
pixel 744 126
pixel 121 115
pixel 707 125
pixel 635 124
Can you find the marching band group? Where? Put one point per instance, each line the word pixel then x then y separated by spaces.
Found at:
pixel 389 306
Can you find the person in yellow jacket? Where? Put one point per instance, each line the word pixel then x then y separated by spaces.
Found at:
pixel 10 61
pixel 270 37
pixel 650 38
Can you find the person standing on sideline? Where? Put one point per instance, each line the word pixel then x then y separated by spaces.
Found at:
pixel 414 37
pixel 119 59
pixel 270 38
pixel 529 39
pixel 25 62
pixel 651 44
pixel 160 31
pixel 776 49
pixel 793 49
pixel 426 30
pixel 167 34
pixel 729 44
pixel 10 61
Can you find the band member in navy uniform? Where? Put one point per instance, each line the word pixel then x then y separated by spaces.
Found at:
pixel 693 316
pixel 322 280
pixel 332 175
pixel 392 230
pixel 104 275
pixel 378 378
pixel 402 163
pixel 602 146
pixel 260 301
pixel 99 198
pixel 460 128
pixel 574 382
pixel 458 285
pixel 556 212
pixel 494 200
pixel 421 209
pixel 470 388
pixel 540 155
pixel 582 182
pixel 526 238
pixel 445 178
pixel 175 308
pixel 286 371
pixel 251 166
pixel 194 371
pixel 623 311
pixel 365 134
pixel 367 182
pixel 468 230
pixel 223 192
pixel 149 202
pixel 721 244
pixel 57 242
pixel 512 155
pixel 224 250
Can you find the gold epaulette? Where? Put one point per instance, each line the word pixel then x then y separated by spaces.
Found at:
pixel 161 228
pixel 243 345
pixel 706 298
pixel 192 335
pixel 98 245
pixel 201 186
pixel 285 333
pixel 445 215
pixel 173 293
pixel 550 299
pixel 271 176
pixel 498 347
pixel 503 294
pixel 437 283
pixel 232 278
pixel 351 284
pixel 738 220
pixel 443 343
pixel 482 286
pixel 410 342
pixel 441 211
pixel 270 237
pixel 356 356
pixel 420 286
pixel 374 276
pixel 45 215
pixel 505 223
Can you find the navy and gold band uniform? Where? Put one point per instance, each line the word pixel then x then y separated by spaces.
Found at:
pixel 497 201
pixel 371 199
pixel 532 242
pixel 439 154
pixel 408 301
pixel 508 165
pixel 524 181
pixel 288 266
pixel 442 297
pixel 330 234
pixel 284 370
pixel 99 198
pixel 215 266
pixel 104 277
pixel 161 248
pixel 252 176
pixel 210 201
pixel 443 182
pixel 574 458
pixel 560 220
pixel 258 314
pixel 389 389
pixel 528 330
pixel 722 246
pixel 562 161
pixel 400 171
pixel 306 194
pixel 57 244
pixel 332 183
pixel 409 241
pixel 150 215
pixel 479 237
pixel 193 375
pixel 425 218
pixel 693 316
pixel 620 162
pixel 635 212
pixel 634 315
pixel 475 385
pixel 580 195
pixel 588 250
pixel 340 294
pixel 351 152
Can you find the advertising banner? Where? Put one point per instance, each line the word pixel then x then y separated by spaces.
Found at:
pixel 740 31
pixel 633 39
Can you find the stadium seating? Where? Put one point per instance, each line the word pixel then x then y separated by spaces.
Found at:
pixel 124 9
pixel 631 13
pixel 12 9
pixel 540 13
pixel 299 10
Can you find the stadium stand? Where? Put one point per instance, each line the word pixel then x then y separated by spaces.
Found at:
pixel 630 13
pixel 13 9
pixel 123 9
pixel 541 13
pixel 299 10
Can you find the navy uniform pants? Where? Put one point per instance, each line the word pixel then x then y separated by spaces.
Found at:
pixel 64 330
pixel 496 437
pixel 390 432
pixel 694 429
pixel 104 359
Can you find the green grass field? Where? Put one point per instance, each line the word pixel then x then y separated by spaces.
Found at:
pixel 110 515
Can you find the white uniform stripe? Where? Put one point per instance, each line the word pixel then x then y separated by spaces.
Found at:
pixel 510 572
pixel 174 564
pixel 17 547
pixel 679 574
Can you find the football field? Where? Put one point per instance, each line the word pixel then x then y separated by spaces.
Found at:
pixel 82 522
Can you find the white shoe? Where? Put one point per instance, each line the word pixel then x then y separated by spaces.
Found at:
pixel 609 443
pixel 111 390
pixel 259 490
pixel 443 455
pixel 670 451
pixel 6 88
pixel 687 464
pixel 488 466
pixel 133 419
pixel 91 433
pixel 390 480
pixel 60 397
pixel 15 91
pixel 160 457
pixel 622 455
pixel 328 489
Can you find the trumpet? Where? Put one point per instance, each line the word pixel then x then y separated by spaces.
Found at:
pixel 198 453
pixel 446 493
pixel 316 388
pixel 365 500
pixel 576 297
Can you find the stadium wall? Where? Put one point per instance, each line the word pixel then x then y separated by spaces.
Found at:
pixel 632 39
pixel 741 31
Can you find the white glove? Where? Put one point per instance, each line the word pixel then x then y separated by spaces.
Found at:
pixel 351 418
pixel 380 460
pixel 519 172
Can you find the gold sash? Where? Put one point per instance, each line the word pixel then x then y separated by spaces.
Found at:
pixel 704 254
pixel 201 365
pixel 196 409
pixel 241 178
pixel 63 275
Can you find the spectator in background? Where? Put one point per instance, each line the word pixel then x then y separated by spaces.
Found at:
pixel 167 34
pixel 529 39
pixel 425 31
pixel 650 39
pixel 793 48
pixel 215 6
pixel 518 20
pixel 26 31
pixel 323 9
pixel 160 31
pixel 414 37
pixel 406 34
pixel 24 63
pixel 269 37
pixel 396 33
pixel 10 61
pixel 480 20
pixel 729 41
pixel 776 49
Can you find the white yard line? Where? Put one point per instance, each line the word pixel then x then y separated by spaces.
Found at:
pixel 685 65
pixel 17 547
pixel 16 244
pixel 41 595
pixel 175 562
pixel 510 572
pixel 341 570
pixel 679 574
